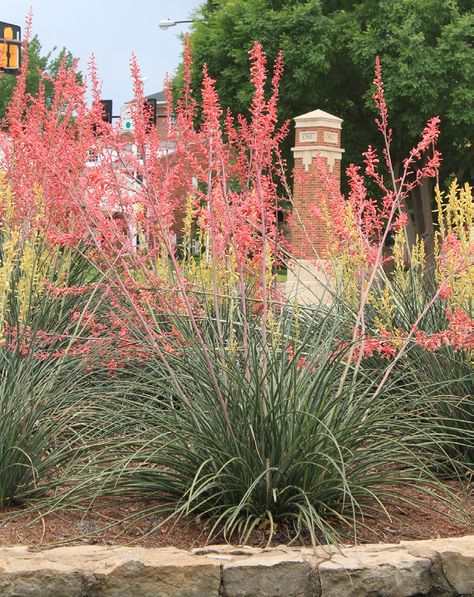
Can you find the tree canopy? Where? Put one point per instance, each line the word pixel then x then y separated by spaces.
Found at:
pixel 330 46
pixel 38 62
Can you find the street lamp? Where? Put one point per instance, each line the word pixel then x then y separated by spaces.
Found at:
pixel 167 23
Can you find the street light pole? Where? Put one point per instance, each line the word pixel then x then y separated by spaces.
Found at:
pixel 167 23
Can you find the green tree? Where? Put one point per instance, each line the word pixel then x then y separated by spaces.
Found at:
pixel 38 62
pixel 427 56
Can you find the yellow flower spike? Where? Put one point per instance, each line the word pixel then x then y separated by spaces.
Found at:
pixel 467 204
pixel 296 321
pixel 457 219
pixel 385 308
pixel 273 327
pixel 26 282
pixel 231 274
pixel 10 253
pixel 187 226
pixel 418 261
pixel 6 202
pixel 400 275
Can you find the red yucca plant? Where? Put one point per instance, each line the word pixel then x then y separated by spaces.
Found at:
pixel 243 406
pixel 126 207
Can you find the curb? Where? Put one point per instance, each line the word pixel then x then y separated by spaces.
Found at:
pixel 410 568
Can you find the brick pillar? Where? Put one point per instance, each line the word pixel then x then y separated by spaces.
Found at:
pixel 316 133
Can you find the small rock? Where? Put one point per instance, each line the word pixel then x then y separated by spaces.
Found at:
pixel 375 570
pixel 270 575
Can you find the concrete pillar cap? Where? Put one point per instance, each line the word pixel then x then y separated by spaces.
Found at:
pixel 318 118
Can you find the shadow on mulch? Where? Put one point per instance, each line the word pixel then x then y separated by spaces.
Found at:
pixel 105 524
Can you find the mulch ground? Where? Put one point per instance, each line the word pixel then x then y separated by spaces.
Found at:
pixel 110 525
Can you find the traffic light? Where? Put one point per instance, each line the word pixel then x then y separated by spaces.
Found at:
pixel 126 119
pixel 106 110
pixel 10 48
pixel 106 115
pixel 150 113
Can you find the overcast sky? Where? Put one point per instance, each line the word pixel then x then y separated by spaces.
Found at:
pixel 111 29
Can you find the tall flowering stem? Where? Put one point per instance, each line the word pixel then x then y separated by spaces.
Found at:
pixel 123 200
pixel 359 227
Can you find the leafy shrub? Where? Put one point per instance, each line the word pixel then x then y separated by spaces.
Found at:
pixel 288 449
pixel 44 375
pixel 221 398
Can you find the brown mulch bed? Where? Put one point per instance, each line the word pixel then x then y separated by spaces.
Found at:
pixel 432 519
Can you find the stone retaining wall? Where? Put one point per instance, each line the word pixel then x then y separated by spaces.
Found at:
pixel 411 568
